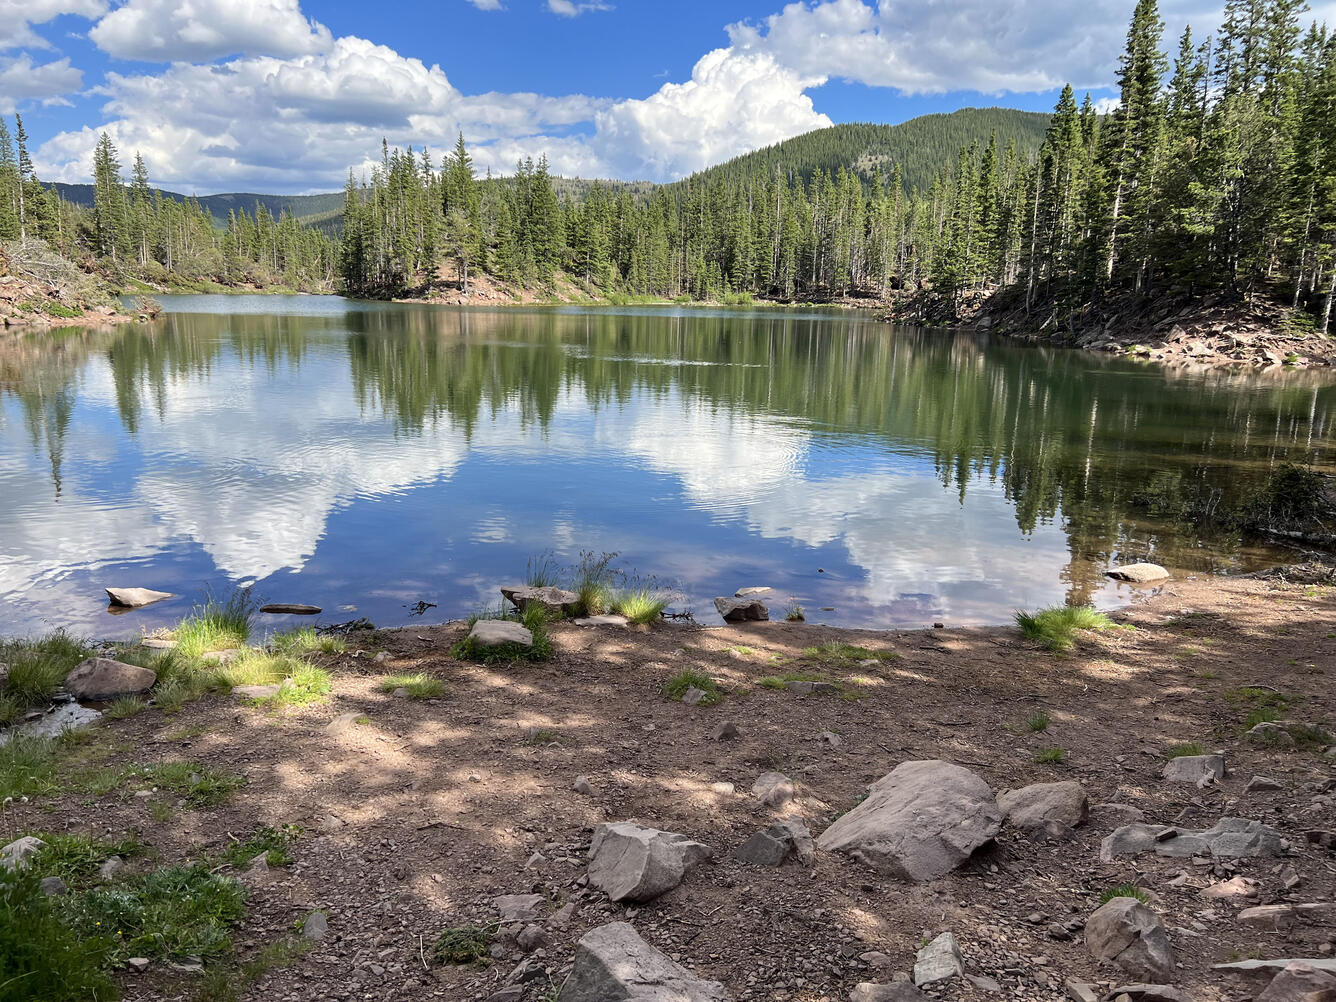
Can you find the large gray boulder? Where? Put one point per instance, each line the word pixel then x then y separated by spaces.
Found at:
pixel 1300 982
pixel 133 598
pixel 742 610
pixel 919 822
pixel 551 598
pixel 1127 933
pixel 1200 770
pixel 103 678
pixel 630 862
pixel 495 632
pixel 1139 573
pixel 1032 807
pixel 613 964
pixel 1228 838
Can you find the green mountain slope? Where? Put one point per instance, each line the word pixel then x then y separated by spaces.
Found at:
pixel 922 146
pixel 218 206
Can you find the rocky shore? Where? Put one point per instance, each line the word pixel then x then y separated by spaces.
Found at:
pixel 844 815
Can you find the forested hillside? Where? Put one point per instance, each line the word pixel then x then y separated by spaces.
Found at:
pixel 303 207
pixel 920 146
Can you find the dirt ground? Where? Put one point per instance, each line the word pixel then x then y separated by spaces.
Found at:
pixel 420 814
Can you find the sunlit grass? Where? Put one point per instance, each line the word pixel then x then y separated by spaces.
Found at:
pixel 419 685
pixel 305 640
pixel 299 681
pixel 676 687
pixel 1056 626
pixel 639 605
pixel 216 625
pixel 36 670
pixel 834 654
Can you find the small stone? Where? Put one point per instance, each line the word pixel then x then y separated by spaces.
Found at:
pixel 727 731
pixel 1200 770
pixel 1300 982
pixel 53 887
pixel 137 964
pixel 1262 783
pixel 498 632
pixel 344 723
pixel 19 853
pixel 109 868
pixel 741 610
pixel 582 786
pixel 1081 991
pixel 831 739
pixel 773 789
pixel 693 696
pixel 517 907
pixel 1141 573
pixel 102 679
pixel 1132 936
pixel 985 984
pixel 316 926
pixel 896 991
pixel 531 938
pixel 940 960
pixel 134 598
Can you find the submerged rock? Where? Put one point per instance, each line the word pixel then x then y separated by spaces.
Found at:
pixel 103 678
pixel 133 598
pixel 291 609
pixel 919 822
pixel 613 964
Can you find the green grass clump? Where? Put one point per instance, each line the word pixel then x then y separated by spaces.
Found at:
pixel 41 956
pixel 1056 626
pixel 273 842
pixel 1124 891
pixel 639 605
pixel 1309 735
pixel 1259 715
pixel 542 736
pixel 1050 756
pixel 782 681
pixel 542 571
pixel 299 681
pixel 594 583
pixel 1037 721
pixel 76 858
pixel 1184 749
pixel 676 687
pixel 27 766
pixel 463 944
pixel 834 654
pixel 795 613
pixel 229 980
pixel 534 618
pixel 197 784
pixel 216 626
pixel 125 706
pixel 171 913
pixel 36 670
pixel 419 685
pixel 305 640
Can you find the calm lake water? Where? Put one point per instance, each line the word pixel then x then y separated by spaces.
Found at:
pixel 363 457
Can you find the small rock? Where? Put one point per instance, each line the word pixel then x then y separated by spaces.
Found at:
pixel 1142 573
pixel 630 862
pixel 344 723
pixel 316 926
pixel 1031 806
pixel 1235 887
pixel 53 887
pixel 749 592
pixel 1132 936
pixel 693 696
pixel 255 691
pixel 605 620
pixel 582 786
pixel 773 789
pixel 1260 783
pixel 1271 733
pixel 940 960
pixel 983 983
pixel 1116 814
pixel 1148 993
pixel 613 962
pixel 727 731
pixel 553 599
pixel 1081 991
pixel 741 610
pixel 517 907
pixel 830 738
pixel 1300 982
pixel 102 679
pixel 137 964
pixel 531 938
pixel 110 867
pixel 896 991
pixel 19 853
pixel 1200 770
pixel 134 598
pixel 497 632
pixel 290 609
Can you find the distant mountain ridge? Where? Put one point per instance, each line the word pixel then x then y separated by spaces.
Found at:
pixel 922 146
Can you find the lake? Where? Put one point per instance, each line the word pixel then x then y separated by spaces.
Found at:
pixel 366 457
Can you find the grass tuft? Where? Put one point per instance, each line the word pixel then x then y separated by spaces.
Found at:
pixel 1124 891
pixel 419 685
pixel 305 640
pixel 534 618
pixel 273 842
pixel 1056 626
pixel 300 682
pixel 197 784
pixel 676 687
pixel 1037 721
pixel 795 613
pixel 75 859
pixel 836 655
pixel 36 670
pixel 463 944
pixel 1184 749
pixel 216 625
pixel 125 706
pixel 1050 756
pixel 42 957
pixel 639 605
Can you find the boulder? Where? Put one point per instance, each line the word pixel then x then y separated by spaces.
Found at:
pixel 1127 933
pixel 742 610
pixel 1229 838
pixel 896 991
pixel 496 632
pixel 133 598
pixel 773 789
pixel 103 679
pixel 1271 733
pixel 1300 982
pixel 291 609
pixel 613 964
pixel 776 843
pixel 1259 784
pixel 1199 770
pixel 940 960
pixel 53 887
pixel 19 853
pixel 630 862
pixel 1138 573
pixel 553 599
pixel 1031 806
pixel 919 822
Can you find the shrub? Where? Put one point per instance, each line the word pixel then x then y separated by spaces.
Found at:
pixel 41 957
pixel 1056 626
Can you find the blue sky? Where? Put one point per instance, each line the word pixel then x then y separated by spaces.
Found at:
pixel 285 96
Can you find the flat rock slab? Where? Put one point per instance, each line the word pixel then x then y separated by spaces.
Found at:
pixel 1127 933
pixel 940 960
pixel 1032 806
pixel 1317 963
pixel 158 643
pixel 613 964
pixel 606 620
pixel 66 717
pixel 518 907
pixel 896 991
pixel 1138 573
pixel 630 862
pixel 1200 770
pixel 291 609
pixel 919 822
pixel 133 598
pixel 1230 838
pixel 496 632
pixel 1142 992
pixel 103 678
pixel 741 610
pixel 551 598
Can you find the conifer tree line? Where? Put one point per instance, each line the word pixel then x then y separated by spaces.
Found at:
pixel 1216 171
pixel 134 230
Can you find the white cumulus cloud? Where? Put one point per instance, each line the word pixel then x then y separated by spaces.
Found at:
pixel 569 8
pixel 176 30
pixel 18 16
pixel 21 81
